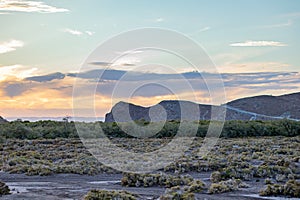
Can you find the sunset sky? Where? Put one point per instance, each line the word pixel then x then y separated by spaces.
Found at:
pixel 254 44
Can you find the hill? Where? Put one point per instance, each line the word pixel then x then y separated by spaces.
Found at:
pixel 2 120
pixel 251 108
pixel 287 106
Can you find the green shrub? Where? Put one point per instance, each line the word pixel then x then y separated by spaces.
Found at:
pixel 175 193
pixel 226 186
pixel 149 180
pixel 55 129
pixel 215 177
pixel 104 194
pixel 289 189
pixel 195 186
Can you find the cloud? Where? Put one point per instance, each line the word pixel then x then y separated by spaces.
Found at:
pixel 288 23
pixel 73 32
pixel 16 72
pixel 105 64
pixel 129 52
pixel 259 80
pixel 250 43
pixel 160 19
pixel 90 33
pixel 151 86
pixel 95 74
pixel 200 31
pixel 108 64
pixel 12 45
pixel 204 29
pixel 129 61
pixel 47 78
pixel 15 89
pixel 29 6
pixel 109 78
pixel 78 33
pixel 52 94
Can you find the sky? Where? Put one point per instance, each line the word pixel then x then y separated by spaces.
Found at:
pixel 44 44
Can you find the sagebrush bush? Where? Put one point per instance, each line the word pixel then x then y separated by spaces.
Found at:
pixel 105 194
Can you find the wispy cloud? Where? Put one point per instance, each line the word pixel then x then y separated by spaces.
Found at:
pixel 129 52
pixel 258 44
pixel 200 31
pixel 77 32
pixel 90 33
pixel 28 6
pixel 287 24
pixel 204 29
pixel 12 45
pixel 73 32
pixel 160 19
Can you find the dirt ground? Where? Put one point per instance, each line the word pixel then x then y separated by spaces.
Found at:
pixel 71 186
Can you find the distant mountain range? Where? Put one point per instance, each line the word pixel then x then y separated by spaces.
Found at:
pixel 263 107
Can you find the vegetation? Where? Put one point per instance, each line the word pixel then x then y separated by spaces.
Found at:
pixel 226 186
pixel 47 147
pixel 65 129
pixel 4 190
pixel 149 180
pixel 38 130
pixel 276 158
pixel 290 189
pixel 104 194
pixel 178 194
pixel 46 157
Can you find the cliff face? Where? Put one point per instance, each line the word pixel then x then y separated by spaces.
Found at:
pixel 252 108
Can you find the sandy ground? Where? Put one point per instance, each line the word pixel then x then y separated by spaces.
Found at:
pixel 71 186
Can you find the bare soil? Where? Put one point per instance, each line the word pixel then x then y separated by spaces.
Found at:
pixel 72 186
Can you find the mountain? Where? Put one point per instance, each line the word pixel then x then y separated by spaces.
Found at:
pixel 2 120
pixel 285 106
pixel 251 108
pixel 170 109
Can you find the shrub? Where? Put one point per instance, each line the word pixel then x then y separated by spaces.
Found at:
pixel 196 186
pixel 104 194
pixel 4 190
pixel 215 177
pixel 226 186
pixel 175 193
pixel 218 188
pixel 149 180
pixel 54 129
pixel 290 189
